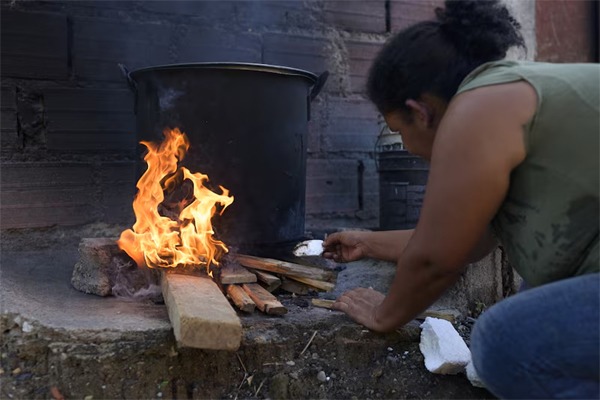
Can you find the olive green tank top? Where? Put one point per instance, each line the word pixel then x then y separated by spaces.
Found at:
pixel 548 223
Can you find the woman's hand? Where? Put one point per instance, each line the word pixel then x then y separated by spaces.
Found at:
pixel 361 304
pixel 345 246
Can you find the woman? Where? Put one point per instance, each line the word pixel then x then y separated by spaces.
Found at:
pixel 513 148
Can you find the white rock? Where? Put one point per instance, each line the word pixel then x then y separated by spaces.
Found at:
pixel 473 377
pixel 309 248
pixel 27 327
pixel 444 350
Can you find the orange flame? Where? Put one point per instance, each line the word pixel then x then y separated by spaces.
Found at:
pixel 183 237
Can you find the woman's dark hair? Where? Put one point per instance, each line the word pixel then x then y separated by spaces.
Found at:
pixel 435 56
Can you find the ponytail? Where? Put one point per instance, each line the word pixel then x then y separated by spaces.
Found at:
pixel 435 56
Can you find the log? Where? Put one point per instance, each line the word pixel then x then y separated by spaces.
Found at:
pixel 284 268
pixel 264 300
pixel 240 298
pixel 200 314
pixel 295 287
pixel 232 273
pixel 321 285
pixel 270 282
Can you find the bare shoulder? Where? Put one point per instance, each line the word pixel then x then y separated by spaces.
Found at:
pixel 491 119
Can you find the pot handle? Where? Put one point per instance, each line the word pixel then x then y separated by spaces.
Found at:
pixel 316 89
pixel 130 82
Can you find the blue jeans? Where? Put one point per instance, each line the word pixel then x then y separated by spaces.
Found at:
pixel 543 342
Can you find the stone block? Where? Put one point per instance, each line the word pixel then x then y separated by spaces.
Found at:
pixel 200 314
pixel 356 15
pixel 95 271
pixel 331 186
pixel 90 120
pixel 361 54
pixel 290 50
pixel 45 194
pixel 352 126
pixel 404 13
pixel 444 350
pixel 100 44
pixel 104 270
pixel 206 45
pixel 34 45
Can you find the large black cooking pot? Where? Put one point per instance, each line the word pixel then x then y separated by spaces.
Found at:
pixel 247 125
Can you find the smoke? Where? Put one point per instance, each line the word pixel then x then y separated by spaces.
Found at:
pixel 136 284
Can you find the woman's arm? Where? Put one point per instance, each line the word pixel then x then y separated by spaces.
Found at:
pixel 353 245
pixel 478 143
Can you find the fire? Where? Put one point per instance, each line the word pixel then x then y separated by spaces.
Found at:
pixel 173 211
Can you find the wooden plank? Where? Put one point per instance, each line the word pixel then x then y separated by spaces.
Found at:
pixel 200 314
pixel 317 284
pixel 232 273
pixel 270 282
pixel 240 298
pixel 284 268
pixel 264 300
pixel 295 287
pixel 321 303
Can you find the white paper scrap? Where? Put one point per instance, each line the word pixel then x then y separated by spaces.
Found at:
pixel 309 248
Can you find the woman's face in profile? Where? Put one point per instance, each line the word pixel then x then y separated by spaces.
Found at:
pixel 416 138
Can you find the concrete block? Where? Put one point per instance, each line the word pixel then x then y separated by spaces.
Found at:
pixel 361 54
pixel 404 13
pixel 200 314
pixel 100 44
pixel 104 270
pixel 9 138
pixel 90 120
pixel 95 272
pixel 216 11
pixel 295 51
pixel 331 186
pixel 444 350
pixel 355 15
pixel 353 125
pixel 317 123
pixel 45 194
pixel 269 14
pixel 205 45
pixel 117 183
pixel 34 45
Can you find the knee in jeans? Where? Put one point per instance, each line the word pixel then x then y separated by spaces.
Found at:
pixel 485 346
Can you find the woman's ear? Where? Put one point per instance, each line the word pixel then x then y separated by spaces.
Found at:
pixel 421 112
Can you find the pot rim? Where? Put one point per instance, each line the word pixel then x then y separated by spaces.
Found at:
pixel 275 69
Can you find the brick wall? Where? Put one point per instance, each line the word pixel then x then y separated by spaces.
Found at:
pixel 67 123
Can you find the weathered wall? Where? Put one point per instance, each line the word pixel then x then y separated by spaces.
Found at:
pixel 67 124
pixel 567 31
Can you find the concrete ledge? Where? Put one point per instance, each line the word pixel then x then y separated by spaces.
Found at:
pixel 84 345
